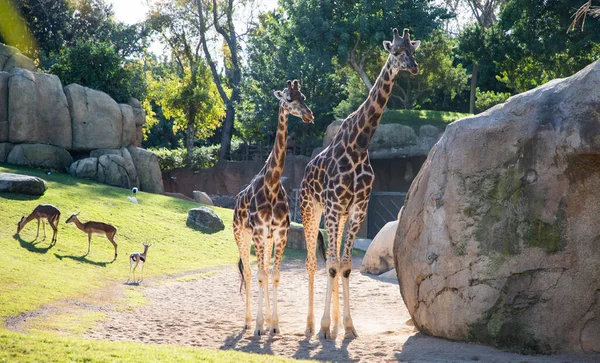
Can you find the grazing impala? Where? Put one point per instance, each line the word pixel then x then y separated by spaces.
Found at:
pixel 42 212
pixel 138 258
pixel 97 228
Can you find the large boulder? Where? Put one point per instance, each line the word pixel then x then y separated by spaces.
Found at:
pixel 85 168
pixel 332 129
pixel 4 106
pixel 140 119
pixel 296 238
pixel 5 148
pixel 204 218
pixel 37 109
pixel 128 137
pixel 11 57
pixel 148 170
pixel 22 184
pixel 40 156
pixel 96 117
pixel 6 52
pixel 392 136
pixel 499 240
pixel 379 257
pixel 202 198
pixel 116 170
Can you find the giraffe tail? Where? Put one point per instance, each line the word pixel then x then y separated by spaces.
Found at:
pixel 321 243
pixel 242 280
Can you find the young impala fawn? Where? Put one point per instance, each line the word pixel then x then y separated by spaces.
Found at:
pixel 42 212
pixel 138 258
pixel 97 228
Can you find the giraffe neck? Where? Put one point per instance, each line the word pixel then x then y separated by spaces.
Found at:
pixel 276 159
pixel 369 113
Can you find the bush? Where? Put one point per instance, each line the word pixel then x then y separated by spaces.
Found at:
pixel 170 159
pixel 202 156
pixel 488 99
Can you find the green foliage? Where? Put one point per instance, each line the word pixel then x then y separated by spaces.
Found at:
pixel 97 65
pixel 275 56
pixel 487 99
pixel 418 118
pixel 357 94
pixel 202 156
pixel 170 159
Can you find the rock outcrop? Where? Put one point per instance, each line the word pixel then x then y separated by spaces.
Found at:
pixel 499 238
pixel 4 106
pixel 37 109
pixel 22 184
pixel 5 148
pixel 85 168
pixel 11 57
pixel 148 170
pixel 379 257
pixel 205 218
pixel 40 156
pixel 97 120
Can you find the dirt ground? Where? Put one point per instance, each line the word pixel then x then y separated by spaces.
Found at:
pixel 206 310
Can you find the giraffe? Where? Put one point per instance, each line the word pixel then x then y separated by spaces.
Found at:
pixel 338 181
pixel 261 214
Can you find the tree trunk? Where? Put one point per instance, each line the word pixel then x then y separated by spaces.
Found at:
pixel 189 140
pixel 361 73
pixel 225 150
pixel 473 88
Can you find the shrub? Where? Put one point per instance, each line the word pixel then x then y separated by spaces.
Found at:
pixel 488 99
pixel 170 159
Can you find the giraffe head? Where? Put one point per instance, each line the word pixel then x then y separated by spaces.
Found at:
pixel 293 100
pixel 402 50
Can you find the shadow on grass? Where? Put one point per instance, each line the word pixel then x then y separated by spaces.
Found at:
pixel 203 230
pixel 84 260
pixel 16 196
pixel 31 246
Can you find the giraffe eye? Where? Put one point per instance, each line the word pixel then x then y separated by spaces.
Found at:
pixel 289 99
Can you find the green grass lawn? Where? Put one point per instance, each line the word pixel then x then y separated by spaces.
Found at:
pixel 32 274
pixel 418 118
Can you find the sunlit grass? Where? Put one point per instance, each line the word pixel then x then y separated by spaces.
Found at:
pixel 418 118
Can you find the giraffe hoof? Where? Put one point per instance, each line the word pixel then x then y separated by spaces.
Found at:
pixel 324 334
pixel 275 330
pixel 309 331
pixel 246 326
pixel 350 334
pixel 259 332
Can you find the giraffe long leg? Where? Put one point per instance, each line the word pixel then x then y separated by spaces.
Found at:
pixel 267 257
pixel 332 265
pixel 336 284
pixel 311 215
pixel 243 240
pixel 357 216
pixel 280 236
pixel 259 237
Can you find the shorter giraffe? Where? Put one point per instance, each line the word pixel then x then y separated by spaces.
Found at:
pixel 261 214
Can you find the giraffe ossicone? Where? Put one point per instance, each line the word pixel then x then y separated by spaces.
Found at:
pixel 338 182
pixel 261 214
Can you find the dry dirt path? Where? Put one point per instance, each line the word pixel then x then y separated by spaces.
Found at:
pixel 209 312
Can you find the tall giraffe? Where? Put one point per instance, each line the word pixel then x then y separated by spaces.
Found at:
pixel 261 213
pixel 338 181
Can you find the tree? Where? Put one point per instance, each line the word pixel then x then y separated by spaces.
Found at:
pixel 274 56
pixel 97 65
pixel 185 93
pixel 223 23
pixel 188 98
pixel 349 32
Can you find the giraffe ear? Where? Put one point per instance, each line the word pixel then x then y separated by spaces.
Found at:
pixel 387 45
pixel 415 44
pixel 278 94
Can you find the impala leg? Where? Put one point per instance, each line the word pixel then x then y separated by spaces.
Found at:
pixel 311 216
pixel 54 225
pixel 38 230
pixel 89 243
pixel 142 264
pixel 111 238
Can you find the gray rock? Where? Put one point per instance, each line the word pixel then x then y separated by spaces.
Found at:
pixel 22 184
pixel 37 109
pixel 316 152
pixel 116 170
pixel 40 156
pixel 202 198
pixel 128 125
pixel 332 129
pixel 393 136
pixel 223 201
pixel 18 60
pixel 4 106
pixel 390 275
pixel 85 168
pixel 296 238
pixel 205 218
pixel 498 240
pixel 97 119
pixel 6 52
pixel 379 257
pixel 148 170
pixel 138 111
pixel 5 148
